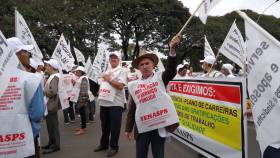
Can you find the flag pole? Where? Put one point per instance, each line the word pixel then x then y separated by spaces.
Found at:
pixel 188 21
pixel 16 33
pixel 213 63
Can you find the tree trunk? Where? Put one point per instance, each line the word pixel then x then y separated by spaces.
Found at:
pixel 136 49
pixel 72 48
pixel 125 44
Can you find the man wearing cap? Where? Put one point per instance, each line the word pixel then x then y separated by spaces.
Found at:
pixel 208 67
pixel 151 110
pixel 111 100
pixel 227 70
pixel 53 105
pixel 81 96
pixel 181 72
pixel 36 108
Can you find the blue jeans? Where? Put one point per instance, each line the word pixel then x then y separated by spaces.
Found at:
pixel 145 139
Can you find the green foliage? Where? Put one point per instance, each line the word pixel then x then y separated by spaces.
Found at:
pixel 136 24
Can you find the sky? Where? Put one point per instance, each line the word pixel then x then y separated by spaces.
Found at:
pixel 227 6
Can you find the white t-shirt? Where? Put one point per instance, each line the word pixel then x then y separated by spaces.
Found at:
pixel 119 99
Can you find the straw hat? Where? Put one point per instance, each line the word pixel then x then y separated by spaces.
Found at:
pixel 143 55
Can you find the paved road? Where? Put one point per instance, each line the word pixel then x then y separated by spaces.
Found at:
pixel 82 146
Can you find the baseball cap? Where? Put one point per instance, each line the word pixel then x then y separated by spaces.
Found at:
pixel 180 66
pixel 33 63
pixel 209 60
pixel 116 54
pixel 17 45
pixel 53 63
pixel 80 68
pixel 227 66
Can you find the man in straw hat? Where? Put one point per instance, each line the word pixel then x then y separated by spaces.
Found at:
pixel 151 110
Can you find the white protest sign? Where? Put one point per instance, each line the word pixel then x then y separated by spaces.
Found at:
pixel 8 61
pixel 79 55
pixel 211 121
pixel 16 138
pixel 205 9
pixel 207 48
pixel 263 82
pixel 90 71
pixel 66 90
pixel 154 106
pixel 102 59
pixel 234 46
pixel 63 55
pixel 25 35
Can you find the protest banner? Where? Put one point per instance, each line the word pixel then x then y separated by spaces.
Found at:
pixel 91 74
pixel 16 138
pixel 207 48
pixel 204 10
pixel 79 55
pixel 211 121
pixel 100 63
pixel 101 59
pixel 63 55
pixel 66 92
pixel 263 82
pixel 25 35
pixel 8 61
pixel 233 46
pixel 155 108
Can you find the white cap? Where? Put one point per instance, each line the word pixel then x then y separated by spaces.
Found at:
pixel 229 67
pixel 16 45
pixel 185 62
pixel 81 68
pixel 53 63
pixel 180 66
pixel 33 63
pixel 209 60
pixel 116 53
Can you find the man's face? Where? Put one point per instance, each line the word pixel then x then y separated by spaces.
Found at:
pixel 224 71
pixel 78 73
pixel 146 66
pixel 114 60
pixel 205 67
pixel 40 68
pixel 183 71
pixel 48 69
pixel 23 57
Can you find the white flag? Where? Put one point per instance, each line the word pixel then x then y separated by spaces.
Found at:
pixel 90 71
pixel 25 35
pixel 207 49
pixel 205 8
pixel 63 54
pixel 8 62
pixel 263 54
pixel 101 60
pixel 234 46
pixel 79 55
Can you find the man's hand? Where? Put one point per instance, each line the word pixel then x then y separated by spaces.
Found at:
pixel 128 135
pixel 107 77
pixel 173 44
